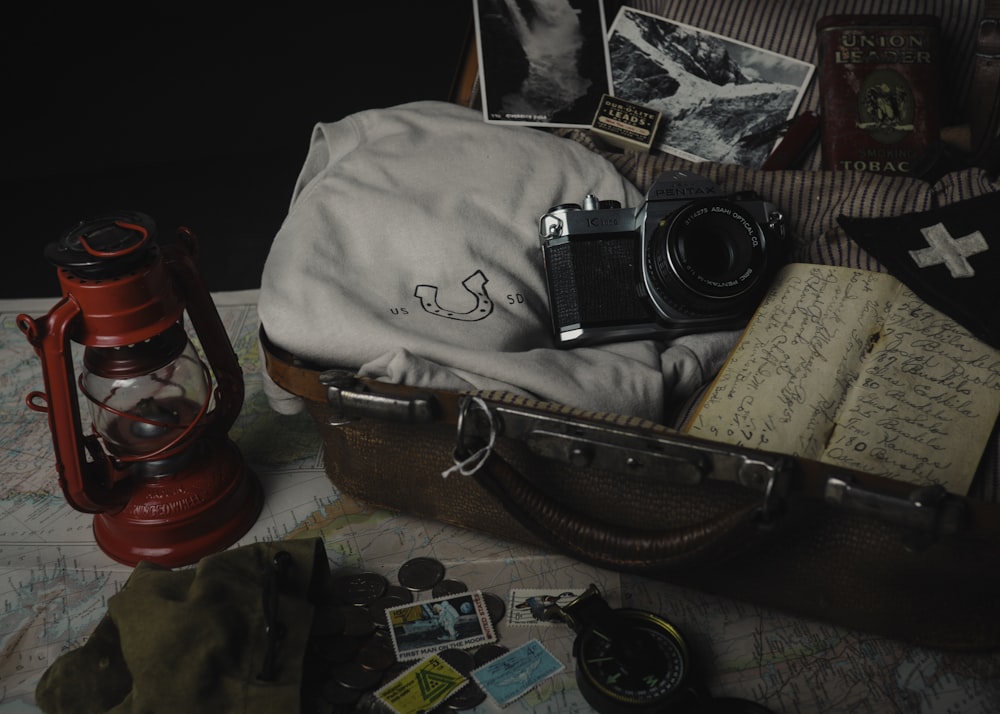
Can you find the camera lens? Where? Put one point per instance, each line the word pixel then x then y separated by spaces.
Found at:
pixel 711 254
pixel 707 255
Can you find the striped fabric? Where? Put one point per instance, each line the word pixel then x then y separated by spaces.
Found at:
pixel 812 200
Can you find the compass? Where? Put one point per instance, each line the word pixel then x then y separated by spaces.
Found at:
pixel 631 661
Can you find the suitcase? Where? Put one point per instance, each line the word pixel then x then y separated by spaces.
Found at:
pixel 633 495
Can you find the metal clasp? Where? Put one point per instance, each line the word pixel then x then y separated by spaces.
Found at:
pixel 467 461
pixel 988 46
pixel 928 511
pixel 350 400
pixel 775 480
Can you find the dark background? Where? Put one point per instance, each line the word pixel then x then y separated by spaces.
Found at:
pixel 196 119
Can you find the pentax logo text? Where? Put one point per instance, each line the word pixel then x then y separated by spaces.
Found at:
pixel 685 190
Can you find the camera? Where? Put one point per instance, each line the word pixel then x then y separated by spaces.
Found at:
pixel 690 259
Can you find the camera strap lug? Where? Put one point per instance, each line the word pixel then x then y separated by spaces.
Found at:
pixel 776 222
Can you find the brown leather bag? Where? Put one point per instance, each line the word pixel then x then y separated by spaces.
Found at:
pixel 853 549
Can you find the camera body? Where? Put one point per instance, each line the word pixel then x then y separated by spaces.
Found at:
pixel 690 259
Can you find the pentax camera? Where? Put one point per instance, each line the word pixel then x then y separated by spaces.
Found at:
pixel 689 259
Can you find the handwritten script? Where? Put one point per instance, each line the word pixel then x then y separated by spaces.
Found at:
pixel 849 367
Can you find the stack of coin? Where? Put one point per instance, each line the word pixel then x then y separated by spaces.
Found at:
pixel 350 653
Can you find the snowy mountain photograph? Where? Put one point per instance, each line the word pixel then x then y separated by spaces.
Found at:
pixel 720 99
pixel 542 62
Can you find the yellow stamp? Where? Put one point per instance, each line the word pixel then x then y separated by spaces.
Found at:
pixel 422 687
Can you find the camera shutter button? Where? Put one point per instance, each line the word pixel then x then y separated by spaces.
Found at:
pixel 592 203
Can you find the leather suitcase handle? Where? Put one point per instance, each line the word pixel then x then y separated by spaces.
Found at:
pixel 618 548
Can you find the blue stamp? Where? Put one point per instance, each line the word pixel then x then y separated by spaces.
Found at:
pixel 511 675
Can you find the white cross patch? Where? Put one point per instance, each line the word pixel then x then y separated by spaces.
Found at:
pixel 952 252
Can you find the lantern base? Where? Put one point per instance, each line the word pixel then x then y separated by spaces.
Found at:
pixel 177 519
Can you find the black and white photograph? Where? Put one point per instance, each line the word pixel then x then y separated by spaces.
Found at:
pixel 542 62
pixel 720 99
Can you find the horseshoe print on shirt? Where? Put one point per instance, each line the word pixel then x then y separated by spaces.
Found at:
pixel 474 284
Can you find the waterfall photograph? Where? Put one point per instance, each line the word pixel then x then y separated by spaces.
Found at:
pixel 542 62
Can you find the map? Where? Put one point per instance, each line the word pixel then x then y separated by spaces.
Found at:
pixel 55 582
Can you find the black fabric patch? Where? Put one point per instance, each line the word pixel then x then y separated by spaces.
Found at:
pixel 949 257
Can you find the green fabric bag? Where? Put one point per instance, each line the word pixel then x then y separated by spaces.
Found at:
pixel 197 640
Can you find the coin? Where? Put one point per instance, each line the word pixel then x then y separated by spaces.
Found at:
pixel 328 651
pixel 495 606
pixel 420 573
pixel 488 653
pixel 357 621
pixel 328 621
pixel 399 591
pixel 376 611
pixel 358 588
pixel 461 660
pixel 469 696
pixel 375 655
pixel 353 676
pixel 395 671
pixel 336 693
pixel 382 637
pixel 449 587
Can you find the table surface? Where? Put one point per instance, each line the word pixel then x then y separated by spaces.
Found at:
pixel 55 582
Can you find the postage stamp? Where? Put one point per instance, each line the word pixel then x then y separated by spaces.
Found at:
pixel 422 687
pixel 423 628
pixel 527 607
pixel 511 675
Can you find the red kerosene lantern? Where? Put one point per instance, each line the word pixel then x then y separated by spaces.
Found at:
pixel 160 472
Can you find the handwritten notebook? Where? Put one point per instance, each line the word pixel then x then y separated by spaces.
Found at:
pixel 849 367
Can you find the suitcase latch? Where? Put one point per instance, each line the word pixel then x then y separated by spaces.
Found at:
pixel 350 401
pixel 928 512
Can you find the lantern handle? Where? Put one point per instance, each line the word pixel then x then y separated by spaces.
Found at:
pixel 178 257
pixel 86 474
pixel 144 232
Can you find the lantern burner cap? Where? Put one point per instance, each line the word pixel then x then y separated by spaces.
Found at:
pixel 105 247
